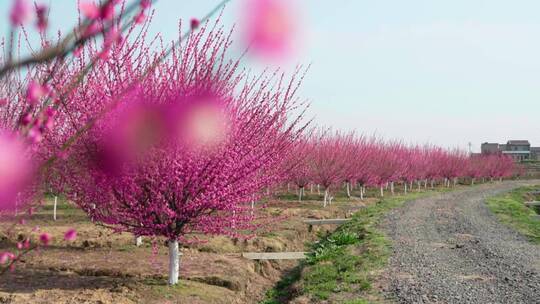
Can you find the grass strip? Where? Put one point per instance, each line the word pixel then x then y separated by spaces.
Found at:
pixel 342 265
pixel 511 211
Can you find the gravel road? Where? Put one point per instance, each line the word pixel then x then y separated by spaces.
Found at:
pixel 449 248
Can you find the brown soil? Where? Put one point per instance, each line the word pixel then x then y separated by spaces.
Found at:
pixel 105 267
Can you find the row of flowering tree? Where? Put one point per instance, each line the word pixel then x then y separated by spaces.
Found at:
pixel 335 159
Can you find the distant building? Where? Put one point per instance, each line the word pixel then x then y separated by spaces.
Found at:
pixel 519 150
pixel 535 153
pixel 490 148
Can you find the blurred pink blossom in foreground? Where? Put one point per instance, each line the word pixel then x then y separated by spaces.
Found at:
pixel 6 256
pixel 203 123
pixel 45 238
pixel 70 235
pixel 21 12
pixel 14 169
pixel 270 27
pixel 197 123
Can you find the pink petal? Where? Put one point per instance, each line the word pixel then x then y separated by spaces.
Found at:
pixel 70 235
pixel 194 23
pixel 45 238
pixel 89 9
pixel 21 12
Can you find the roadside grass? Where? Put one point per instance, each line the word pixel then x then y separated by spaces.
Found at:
pixel 511 210
pixel 342 265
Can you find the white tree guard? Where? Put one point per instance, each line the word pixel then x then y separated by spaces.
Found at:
pixel 174 262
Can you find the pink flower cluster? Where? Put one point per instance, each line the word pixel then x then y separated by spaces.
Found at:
pixel 22 12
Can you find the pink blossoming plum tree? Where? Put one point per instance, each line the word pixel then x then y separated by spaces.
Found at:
pixel 184 150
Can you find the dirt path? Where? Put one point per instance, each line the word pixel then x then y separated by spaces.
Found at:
pixel 451 249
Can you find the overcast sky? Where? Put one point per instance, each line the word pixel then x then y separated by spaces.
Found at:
pixel 445 72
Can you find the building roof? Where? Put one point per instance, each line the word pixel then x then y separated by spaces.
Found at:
pixel 518 142
pixel 535 149
pixel 516 152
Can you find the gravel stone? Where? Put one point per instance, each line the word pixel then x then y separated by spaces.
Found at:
pixel 450 248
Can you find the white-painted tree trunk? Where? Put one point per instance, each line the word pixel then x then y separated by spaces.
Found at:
pixel 405 187
pixel 382 191
pixel 432 184
pixel 54 208
pixel 472 181
pixel 348 189
pixel 325 197
pixel 174 262
pixel 392 187
pixel 362 193
pixel 311 188
pixel 300 194
pixel 318 189
pixel 288 187
pixel 138 241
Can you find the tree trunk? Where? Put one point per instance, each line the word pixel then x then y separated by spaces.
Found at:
pixel 348 190
pixel 405 187
pixel 54 208
pixel 174 262
pixel 138 241
pixel 472 181
pixel 392 188
pixel 288 187
pixel 362 193
pixel 300 194
pixel 311 188
pixel 325 196
pixel 382 191
pixel 432 184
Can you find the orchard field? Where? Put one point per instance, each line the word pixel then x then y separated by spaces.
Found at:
pixel 104 266
pixel 137 169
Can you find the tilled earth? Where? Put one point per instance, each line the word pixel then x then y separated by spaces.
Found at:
pixel 449 248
